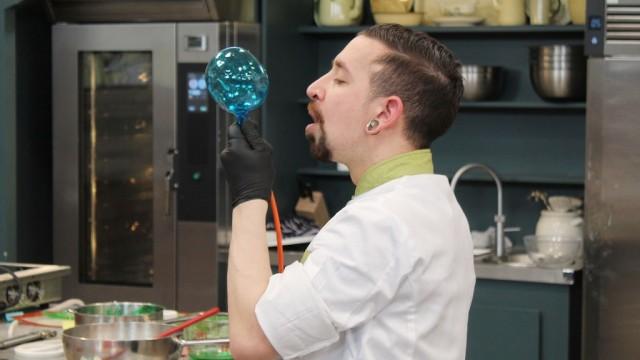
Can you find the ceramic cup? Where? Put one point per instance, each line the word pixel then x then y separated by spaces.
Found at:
pixel 578 11
pixel 541 11
pixel 337 12
pixel 510 12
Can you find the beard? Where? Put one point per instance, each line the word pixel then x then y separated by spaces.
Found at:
pixel 318 144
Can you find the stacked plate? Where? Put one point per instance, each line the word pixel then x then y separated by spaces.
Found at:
pixel 458 20
pixel 405 19
pixel 394 12
pixel 47 349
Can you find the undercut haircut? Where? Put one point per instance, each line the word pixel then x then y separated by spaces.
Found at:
pixel 424 74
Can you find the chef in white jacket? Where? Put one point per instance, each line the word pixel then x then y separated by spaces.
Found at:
pixel 391 275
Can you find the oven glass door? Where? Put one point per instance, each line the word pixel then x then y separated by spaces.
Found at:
pixel 116 167
pixel 114 131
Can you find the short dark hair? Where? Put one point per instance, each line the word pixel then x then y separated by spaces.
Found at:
pixel 424 74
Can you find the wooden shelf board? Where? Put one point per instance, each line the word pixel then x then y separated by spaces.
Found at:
pixel 508 105
pixel 526 29
pixel 506 178
pixel 528 105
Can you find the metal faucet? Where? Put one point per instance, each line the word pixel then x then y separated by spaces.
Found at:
pixel 499 218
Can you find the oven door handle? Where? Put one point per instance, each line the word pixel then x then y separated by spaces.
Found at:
pixel 169 182
pixel 168 179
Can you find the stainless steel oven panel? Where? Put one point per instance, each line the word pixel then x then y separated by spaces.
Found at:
pixel 68 42
pixel 197 42
pixel 612 250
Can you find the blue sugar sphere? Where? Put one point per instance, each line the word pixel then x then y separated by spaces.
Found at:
pixel 237 81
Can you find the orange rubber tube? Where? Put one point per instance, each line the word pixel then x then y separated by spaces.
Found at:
pixel 276 224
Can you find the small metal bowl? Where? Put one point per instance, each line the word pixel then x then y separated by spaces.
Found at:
pixel 481 82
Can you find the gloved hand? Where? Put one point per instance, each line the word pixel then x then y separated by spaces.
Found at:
pixel 247 163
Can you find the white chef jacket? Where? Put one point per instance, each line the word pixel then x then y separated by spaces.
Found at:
pixel 390 276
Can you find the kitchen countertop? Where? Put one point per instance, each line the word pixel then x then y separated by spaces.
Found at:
pixel 523 270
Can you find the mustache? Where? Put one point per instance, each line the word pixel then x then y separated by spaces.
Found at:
pixel 312 108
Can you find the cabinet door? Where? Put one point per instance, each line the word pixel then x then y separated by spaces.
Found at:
pixel 114 114
pixel 503 333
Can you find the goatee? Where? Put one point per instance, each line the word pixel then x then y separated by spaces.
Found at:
pixel 318 147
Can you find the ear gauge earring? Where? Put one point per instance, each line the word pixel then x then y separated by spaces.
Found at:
pixel 372 124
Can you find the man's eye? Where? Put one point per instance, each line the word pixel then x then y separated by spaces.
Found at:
pixel 338 81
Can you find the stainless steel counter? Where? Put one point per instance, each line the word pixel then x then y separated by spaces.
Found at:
pixel 526 273
pixel 519 268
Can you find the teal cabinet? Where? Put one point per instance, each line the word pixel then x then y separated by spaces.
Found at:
pixel 25 132
pixel 7 131
pixel 519 320
pixel 532 144
pixel 504 333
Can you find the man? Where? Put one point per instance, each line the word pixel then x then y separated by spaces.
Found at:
pixel 391 275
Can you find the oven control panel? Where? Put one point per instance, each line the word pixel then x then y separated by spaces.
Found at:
pixel 30 285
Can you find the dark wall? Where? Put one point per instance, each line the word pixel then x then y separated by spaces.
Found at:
pixel 289 58
pixel 33 134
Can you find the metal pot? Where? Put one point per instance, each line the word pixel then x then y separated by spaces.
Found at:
pixel 481 82
pixel 126 340
pixel 558 72
pixel 108 312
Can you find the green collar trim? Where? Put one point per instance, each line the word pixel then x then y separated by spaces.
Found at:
pixel 412 163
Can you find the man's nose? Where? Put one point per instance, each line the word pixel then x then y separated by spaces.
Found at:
pixel 314 91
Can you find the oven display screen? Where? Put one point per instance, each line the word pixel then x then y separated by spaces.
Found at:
pixel 197 101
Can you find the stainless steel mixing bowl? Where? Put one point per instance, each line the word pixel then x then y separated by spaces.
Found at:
pixel 558 72
pixel 117 311
pixel 481 82
pixel 126 340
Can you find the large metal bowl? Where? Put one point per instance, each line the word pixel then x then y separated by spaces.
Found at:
pixel 108 312
pixel 481 82
pixel 558 72
pixel 126 340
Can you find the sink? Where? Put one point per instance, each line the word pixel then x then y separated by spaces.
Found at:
pixel 519 267
pixel 518 259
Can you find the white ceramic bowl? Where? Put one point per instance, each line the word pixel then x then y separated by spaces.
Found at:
pixel 553 251
pixel 406 19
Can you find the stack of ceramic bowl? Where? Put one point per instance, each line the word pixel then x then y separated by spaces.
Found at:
pixel 457 13
pixel 395 12
pixel 558 72
pixel 559 234
pixel 553 251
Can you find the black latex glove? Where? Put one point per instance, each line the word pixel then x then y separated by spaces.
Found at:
pixel 247 163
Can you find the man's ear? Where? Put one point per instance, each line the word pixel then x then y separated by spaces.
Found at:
pixel 390 113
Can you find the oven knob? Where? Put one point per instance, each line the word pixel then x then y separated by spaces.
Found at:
pixel 34 291
pixel 12 295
